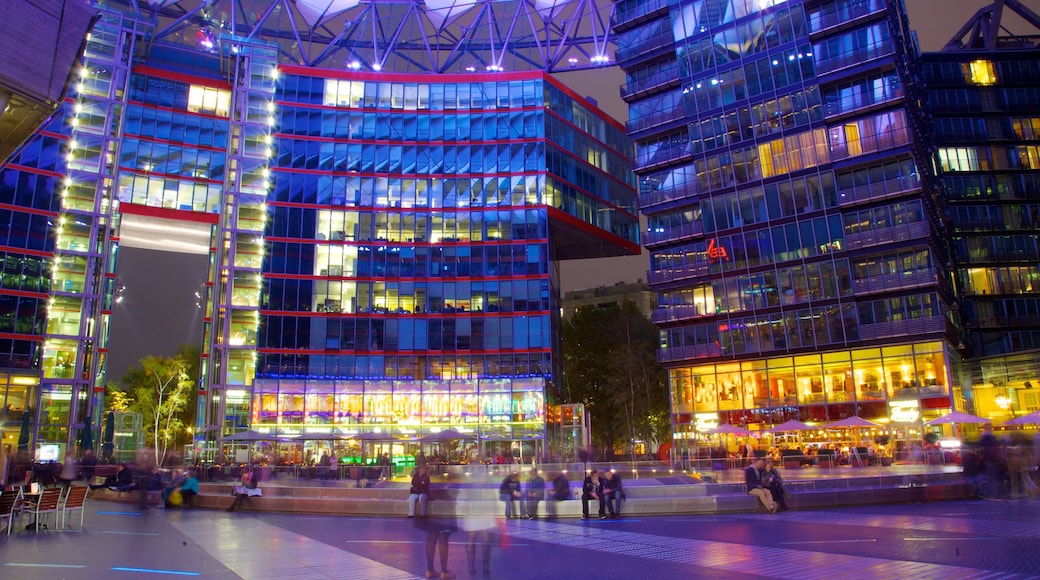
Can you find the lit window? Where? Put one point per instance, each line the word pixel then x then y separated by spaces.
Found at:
pixel 207 100
pixel 980 72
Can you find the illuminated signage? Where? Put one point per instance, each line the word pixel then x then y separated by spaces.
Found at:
pixel 904 411
pixel 705 421
pixel 717 253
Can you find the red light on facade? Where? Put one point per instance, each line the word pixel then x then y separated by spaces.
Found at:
pixel 716 253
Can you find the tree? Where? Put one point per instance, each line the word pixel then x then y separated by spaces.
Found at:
pixel 159 388
pixel 610 365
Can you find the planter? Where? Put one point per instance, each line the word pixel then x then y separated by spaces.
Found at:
pixel 886 461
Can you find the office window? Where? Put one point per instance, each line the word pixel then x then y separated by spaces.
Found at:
pixel 208 100
pixel 980 72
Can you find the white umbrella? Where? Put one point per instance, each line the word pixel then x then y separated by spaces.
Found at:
pixel 791 425
pixel 447 435
pixel 727 429
pixel 852 422
pixel 1030 419
pixel 956 417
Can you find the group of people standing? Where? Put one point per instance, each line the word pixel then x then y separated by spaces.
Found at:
pixel 607 490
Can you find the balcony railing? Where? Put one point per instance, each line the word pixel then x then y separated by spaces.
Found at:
pixel 680 353
pixel 667 194
pixel 859 102
pixel 820 21
pixel 827 65
pixel 655 42
pixel 895 281
pixel 679 312
pixel 679 273
pixel 887 235
pixel 629 11
pixel 658 79
pixel 879 142
pixel 878 190
pixel 909 327
pixel 661 118
pixel 659 235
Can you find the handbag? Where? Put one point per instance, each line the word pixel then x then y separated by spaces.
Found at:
pixel 175 498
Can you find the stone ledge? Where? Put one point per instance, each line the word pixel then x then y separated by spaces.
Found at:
pixel 462 503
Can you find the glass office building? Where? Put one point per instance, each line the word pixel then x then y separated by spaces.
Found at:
pixel 984 99
pixel 384 246
pixel 794 232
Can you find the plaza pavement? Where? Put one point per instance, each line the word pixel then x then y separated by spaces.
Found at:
pixel 956 539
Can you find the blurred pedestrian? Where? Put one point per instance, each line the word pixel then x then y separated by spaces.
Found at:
pixel 68 470
pixel 89 465
pixel 561 490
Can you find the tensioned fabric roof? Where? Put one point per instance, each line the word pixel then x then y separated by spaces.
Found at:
pixel 437 36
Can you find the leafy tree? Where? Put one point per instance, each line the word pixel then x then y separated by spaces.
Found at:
pixel 610 365
pixel 159 388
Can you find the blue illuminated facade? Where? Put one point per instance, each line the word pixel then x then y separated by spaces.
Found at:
pixel 794 230
pixel 384 247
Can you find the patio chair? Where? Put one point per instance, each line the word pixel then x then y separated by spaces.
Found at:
pixel 9 503
pixel 46 504
pixel 74 500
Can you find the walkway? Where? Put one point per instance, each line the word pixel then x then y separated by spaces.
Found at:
pixel 961 539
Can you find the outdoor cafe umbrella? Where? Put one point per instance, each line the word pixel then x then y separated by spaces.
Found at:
pixel 25 432
pixel 1030 419
pixel 956 417
pixel 447 435
pixel 246 436
pixel 727 429
pixel 853 422
pixel 108 437
pixel 314 437
pixel 791 425
pixel 86 436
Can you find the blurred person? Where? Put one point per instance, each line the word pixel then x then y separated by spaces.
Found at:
pixel 592 489
pixel 480 529
pixel 438 530
pixel 613 494
pixel 509 492
pixel 533 494
pixel 753 479
pixel 775 484
pixel 89 465
pixel 561 490
pixel 188 490
pixel 121 480
pixel 419 493
pixel 68 470
pixel 177 479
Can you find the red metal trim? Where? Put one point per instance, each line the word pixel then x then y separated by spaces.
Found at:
pixel 152 71
pixel 13 336
pixel 23 293
pixel 475 77
pixel 35 170
pixel 26 251
pixel 170 214
pixel 32 210
pixel 593 230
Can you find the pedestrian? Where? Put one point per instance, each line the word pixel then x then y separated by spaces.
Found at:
pixel 68 470
pixel 509 492
pixel 613 494
pixel 419 493
pixel 248 487
pixel 753 480
pixel 534 494
pixel 89 465
pixel 775 484
pixel 592 489
pixel 561 490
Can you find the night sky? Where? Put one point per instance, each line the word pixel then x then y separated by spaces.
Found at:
pixel 159 312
